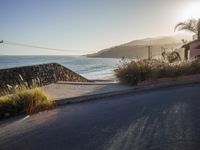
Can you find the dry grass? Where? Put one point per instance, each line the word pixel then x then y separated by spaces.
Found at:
pixel 132 72
pixel 24 100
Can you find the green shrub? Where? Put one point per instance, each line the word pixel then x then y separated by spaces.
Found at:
pixel 24 100
pixel 133 72
pixel 129 72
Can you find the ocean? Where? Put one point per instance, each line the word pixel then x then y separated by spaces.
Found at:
pixel 91 68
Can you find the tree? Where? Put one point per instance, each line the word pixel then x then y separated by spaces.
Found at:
pixel 171 56
pixel 192 25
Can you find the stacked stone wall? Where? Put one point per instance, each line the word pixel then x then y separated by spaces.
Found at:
pixel 42 74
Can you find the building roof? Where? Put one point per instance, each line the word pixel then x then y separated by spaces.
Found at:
pixel 188 44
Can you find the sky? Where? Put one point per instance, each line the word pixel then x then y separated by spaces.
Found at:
pixel 86 26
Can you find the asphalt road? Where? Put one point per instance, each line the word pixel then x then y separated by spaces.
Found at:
pixel 165 119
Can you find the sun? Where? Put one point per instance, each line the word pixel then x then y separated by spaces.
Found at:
pixel 192 11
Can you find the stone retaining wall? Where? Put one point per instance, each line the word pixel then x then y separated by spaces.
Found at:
pixel 42 74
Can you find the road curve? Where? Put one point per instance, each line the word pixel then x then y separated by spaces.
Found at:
pixel 165 119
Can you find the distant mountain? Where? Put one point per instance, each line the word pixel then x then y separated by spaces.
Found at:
pixel 137 48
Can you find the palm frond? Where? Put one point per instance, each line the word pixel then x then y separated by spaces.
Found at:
pixel 189 25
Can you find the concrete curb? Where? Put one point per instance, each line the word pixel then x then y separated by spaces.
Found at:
pixel 133 90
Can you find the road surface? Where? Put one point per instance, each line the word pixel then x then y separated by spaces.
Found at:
pixel 165 119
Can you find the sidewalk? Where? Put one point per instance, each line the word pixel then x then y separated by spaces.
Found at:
pixel 65 90
pixel 76 92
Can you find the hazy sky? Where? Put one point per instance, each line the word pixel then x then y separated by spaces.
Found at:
pixel 86 25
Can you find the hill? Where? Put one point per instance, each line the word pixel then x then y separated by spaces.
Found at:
pixel 137 48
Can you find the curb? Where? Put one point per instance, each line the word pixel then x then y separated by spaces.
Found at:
pixel 134 90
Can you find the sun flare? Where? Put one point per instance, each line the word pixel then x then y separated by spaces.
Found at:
pixel 192 11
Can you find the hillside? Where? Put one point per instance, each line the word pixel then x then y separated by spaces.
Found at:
pixel 137 48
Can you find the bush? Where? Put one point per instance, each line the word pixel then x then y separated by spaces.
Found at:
pixel 132 72
pixel 27 101
pixel 173 57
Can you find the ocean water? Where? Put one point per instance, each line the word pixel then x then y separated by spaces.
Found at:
pixel 91 68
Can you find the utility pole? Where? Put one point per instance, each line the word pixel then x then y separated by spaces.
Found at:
pixel 163 52
pixel 149 51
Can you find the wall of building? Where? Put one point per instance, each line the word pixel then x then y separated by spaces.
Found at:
pixel 194 50
pixel 181 52
pixel 42 74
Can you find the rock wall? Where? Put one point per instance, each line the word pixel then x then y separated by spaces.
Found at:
pixel 42 74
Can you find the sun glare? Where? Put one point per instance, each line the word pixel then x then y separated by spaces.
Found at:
pixel 192 11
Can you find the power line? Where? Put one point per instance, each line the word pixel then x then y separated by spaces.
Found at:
pixel 35 46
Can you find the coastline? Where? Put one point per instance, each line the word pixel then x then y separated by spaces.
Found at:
pixel 91 68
